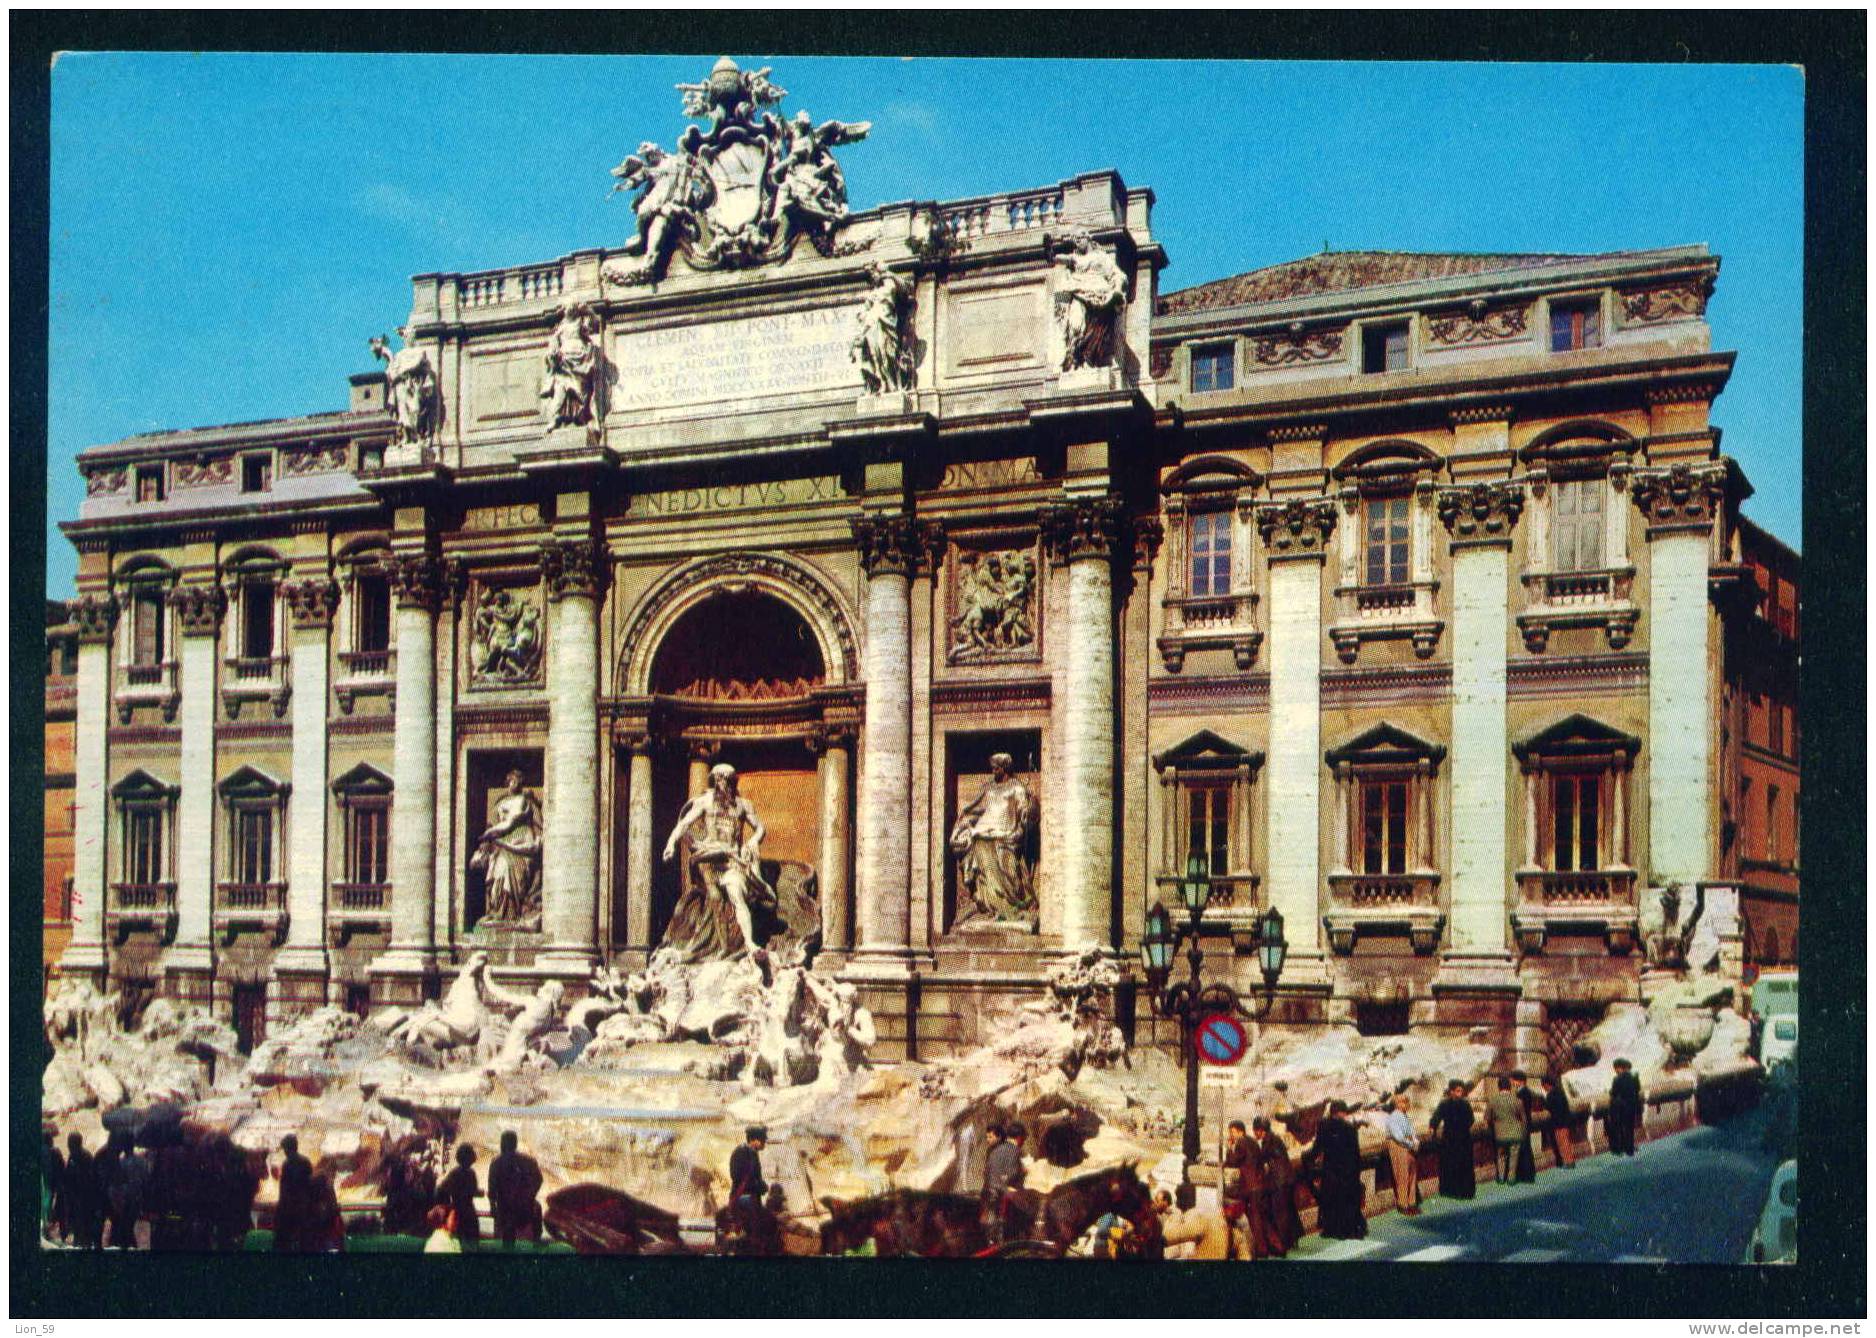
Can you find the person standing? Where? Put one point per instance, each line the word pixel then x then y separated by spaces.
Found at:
pixel 124 1177
pixel 458 1192
pixel 1557 1104
pixel 1337 1154
pixel 51 1188
pixel 1243 1198
pixel 1279 1187
pixel 514 1189
pixel 1526 1172
pixel 747 1187
pixel 1625 1109
pixel 1507 1128
pixel 1403 1157
pixel 1452 1123
pixel 294 1202
pixel 441 1240
pixel 1003 1176
pixel 83 1211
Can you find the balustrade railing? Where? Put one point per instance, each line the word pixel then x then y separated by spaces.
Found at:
pixel 255 668
pixel 366 663
pixel 1582 888
pixel 361 896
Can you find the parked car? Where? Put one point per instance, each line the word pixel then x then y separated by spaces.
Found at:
pixel 1775 1239
pixel 1778 1042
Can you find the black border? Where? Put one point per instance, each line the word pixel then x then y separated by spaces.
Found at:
pixel 1830 1278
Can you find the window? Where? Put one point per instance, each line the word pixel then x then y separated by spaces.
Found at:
pixel 1578 524
pixel 1385 538
pixel 1775 713
pixel 1384 826
pixel 143 844
pixel 1211 553
pixel 1384 348
pixel 146 630
pixel 254 846
pixel 1575 325
pixel 257 473
pixel 1214 367
pixel 257 620
pixel 1576 808
pixel 1745 815
pixel 1771 822
pixel 373 627
pixel 1208 826
pixel 366 829
pixel 150 483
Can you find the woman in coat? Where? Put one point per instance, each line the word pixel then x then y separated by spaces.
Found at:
pixel 1452 1122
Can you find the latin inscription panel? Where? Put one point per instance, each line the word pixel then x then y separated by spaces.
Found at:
pixel 792 353
pixel 737 496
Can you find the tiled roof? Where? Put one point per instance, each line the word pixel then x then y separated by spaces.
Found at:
pixel 1341 271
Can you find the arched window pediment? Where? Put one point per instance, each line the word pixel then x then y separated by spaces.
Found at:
pixel 1583 443
pixel 1210 474
pixel 1386 465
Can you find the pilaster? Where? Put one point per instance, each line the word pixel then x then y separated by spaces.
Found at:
pixel 84 955
pixel 190 959
pixel 638 843
pixel 311 603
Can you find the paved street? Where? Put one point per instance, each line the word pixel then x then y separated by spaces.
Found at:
pixel 1693 1197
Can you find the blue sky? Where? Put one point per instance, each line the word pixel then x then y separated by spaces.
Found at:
pixel 227 230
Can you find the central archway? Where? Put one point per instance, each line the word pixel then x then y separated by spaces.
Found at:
pixel 738 645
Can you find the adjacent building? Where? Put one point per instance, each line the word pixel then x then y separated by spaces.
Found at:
pixel 1405 593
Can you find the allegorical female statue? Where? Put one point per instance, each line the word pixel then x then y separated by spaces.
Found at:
pixel 879 347
pixel 572 369
pixel 714 918
pixel 989 839
pixel 508 855
pixel 1090 293
pixel 410 388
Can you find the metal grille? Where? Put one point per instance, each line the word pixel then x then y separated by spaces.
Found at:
pixel 1568 1027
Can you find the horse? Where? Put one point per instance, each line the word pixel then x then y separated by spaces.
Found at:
pixel 906 1222
pixel 1075 1205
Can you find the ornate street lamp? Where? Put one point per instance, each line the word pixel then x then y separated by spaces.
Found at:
pixel 1192 999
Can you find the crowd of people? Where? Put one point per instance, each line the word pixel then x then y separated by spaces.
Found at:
pixel 161 1189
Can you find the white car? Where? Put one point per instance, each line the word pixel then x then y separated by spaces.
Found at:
pixel 1775 1239
pixel 1779 1041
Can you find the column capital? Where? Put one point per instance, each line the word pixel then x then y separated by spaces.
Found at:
pixel 1681 497
pixel 830 736
pixel 417 580
pixel 198 608
pixel 573 568
pixel 1481 513
pixel 95 615
pixel 311 601
pixel 1299 528
pixel 895 544
pixel 1149 532
pixel 1086 527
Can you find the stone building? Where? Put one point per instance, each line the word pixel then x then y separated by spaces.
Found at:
pixel 61 700
pixel 1392 588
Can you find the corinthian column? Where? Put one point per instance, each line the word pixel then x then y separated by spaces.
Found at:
pixel 84 957
pixel 1085 535
pixel 300 968
pixel 831 746
pixel 1295 535
pixel 1681 504
pixel 189 963
pixel 570 868
pixel 888 553
pixel 639 853
pixel 1480 518
pixel 417 579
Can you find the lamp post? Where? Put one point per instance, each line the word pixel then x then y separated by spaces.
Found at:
pixel 1191 999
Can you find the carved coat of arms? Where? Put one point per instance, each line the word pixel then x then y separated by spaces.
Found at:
pixel 741 192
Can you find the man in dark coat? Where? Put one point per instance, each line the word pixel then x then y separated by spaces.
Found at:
pixel 1625 1109
pixel 747 1187
pixel 1557 1105
pixel 295 1200
pixel 1339 1191
pixel 514 1193
pixel 84 1210
pixel 458 1190
pixel 1279 1187
pixel 1003 1179
pixel 1526 1171
pixel 1452 1123
pixel 1244 1194
pixel 124 1176
pixel 236 1186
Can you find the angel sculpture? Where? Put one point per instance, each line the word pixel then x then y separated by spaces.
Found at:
pixel 675 186
pixel 807 180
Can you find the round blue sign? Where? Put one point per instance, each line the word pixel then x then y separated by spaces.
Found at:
pixel 1219 1039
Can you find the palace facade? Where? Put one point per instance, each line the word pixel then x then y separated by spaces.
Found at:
pixel 1405 593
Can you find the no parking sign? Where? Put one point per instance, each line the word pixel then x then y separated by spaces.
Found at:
pixel 1219 1039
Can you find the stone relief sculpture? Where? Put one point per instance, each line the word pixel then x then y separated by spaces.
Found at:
pixel 505 641
pixel 715 917
pixel 880 348
pixel 995 601
pixel 1090 294
pixel 989 839
pixel 410 389
pixel 572 367
pixel 743 191
pixel 508 855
